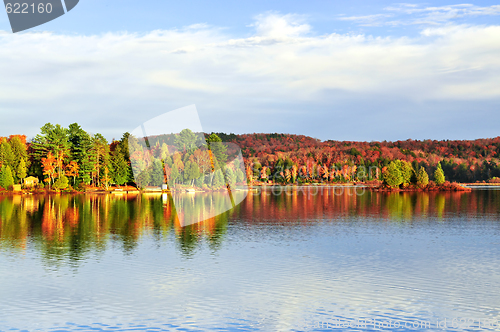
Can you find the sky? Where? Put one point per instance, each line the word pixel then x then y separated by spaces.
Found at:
pixel 351 70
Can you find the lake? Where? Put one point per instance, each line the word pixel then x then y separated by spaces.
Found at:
pixel 313 259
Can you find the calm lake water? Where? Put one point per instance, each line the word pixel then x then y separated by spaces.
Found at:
pixel 310 260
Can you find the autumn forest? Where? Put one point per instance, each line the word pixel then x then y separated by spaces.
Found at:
pixel 70 158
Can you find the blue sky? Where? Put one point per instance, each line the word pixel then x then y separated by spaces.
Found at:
pixel 357 70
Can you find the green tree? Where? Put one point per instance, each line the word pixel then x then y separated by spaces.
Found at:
pixel 6 178
pixel 240 177
pixel 120 161
pixel 21 170
pixel 230 176
pixel 6 154
pixel 199 181
pixel 157 173
pixel 422 177
pixel 174 175
pixel 53 139
pixel 20 154
pixel 61 183
pixel 192 172
pixel 439 175
pixel 218 150
pixel 392 175
pixel 186 141
pixel 406 172
pixel 218 181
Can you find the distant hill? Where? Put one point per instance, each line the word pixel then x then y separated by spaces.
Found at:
pixel 462 160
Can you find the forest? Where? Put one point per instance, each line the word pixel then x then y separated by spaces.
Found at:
pixel 70 158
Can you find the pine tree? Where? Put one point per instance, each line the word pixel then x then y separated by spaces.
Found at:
pixel 21 170
pixel 174 175
pixel 230 177
pixel 406 172
pixel 392 175
pixel 240 177
pixel 218 181
pixel 6 178
pixel 422 177
pixel 439 175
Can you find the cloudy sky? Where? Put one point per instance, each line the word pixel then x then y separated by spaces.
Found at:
pixel 357 70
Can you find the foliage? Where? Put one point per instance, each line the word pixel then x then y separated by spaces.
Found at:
pixel 6 178
pixel 422 177
pixel 439 175
pixel 61 183
pixel 406 172
pixel 392 175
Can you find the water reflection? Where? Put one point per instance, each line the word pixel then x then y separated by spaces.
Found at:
pixel 72 225
pixel 278 262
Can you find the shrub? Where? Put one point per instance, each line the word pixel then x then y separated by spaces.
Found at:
pixel 61 183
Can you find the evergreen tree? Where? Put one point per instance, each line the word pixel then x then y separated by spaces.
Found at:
pixel 174 175
pixel 439 175
pixel 6 154
pixel 422 177
pixel 156 173
pixel 392 176
pixel 240 177
pixel 20 154
pixel 192 172
pixel 218 181
pixel 199 181
pixel 54 139
pixel 406 172
pixel 230 177
pixel 6 178
pixel 80 146
pixel 186 141
pixel 21 170
pixel 218 150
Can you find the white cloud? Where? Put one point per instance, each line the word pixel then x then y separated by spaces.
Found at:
pixel 112 82
pixel 412 14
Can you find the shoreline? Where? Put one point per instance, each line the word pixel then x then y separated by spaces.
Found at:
pixel 371 187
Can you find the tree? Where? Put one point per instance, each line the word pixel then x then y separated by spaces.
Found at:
pixel 199 181
pixel 6 154
pixel 218 150
pixel 20 154
pixel 230 176
pixel 439 175
pixel 71 169
pixel 61 183
pixel 186 141
pixel 157 173
pixel 106 178
pixel 218 181
pixel 54 139
pixel 392 175
pixel 6 178
pixel 49 165
pixel 240 177
pixel 174 175
pixel 406 172
pixel 21 170
pixel 80 146
pixel 422 177
pixel 192 172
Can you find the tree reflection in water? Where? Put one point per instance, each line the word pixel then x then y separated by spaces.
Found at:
pixel 72 226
